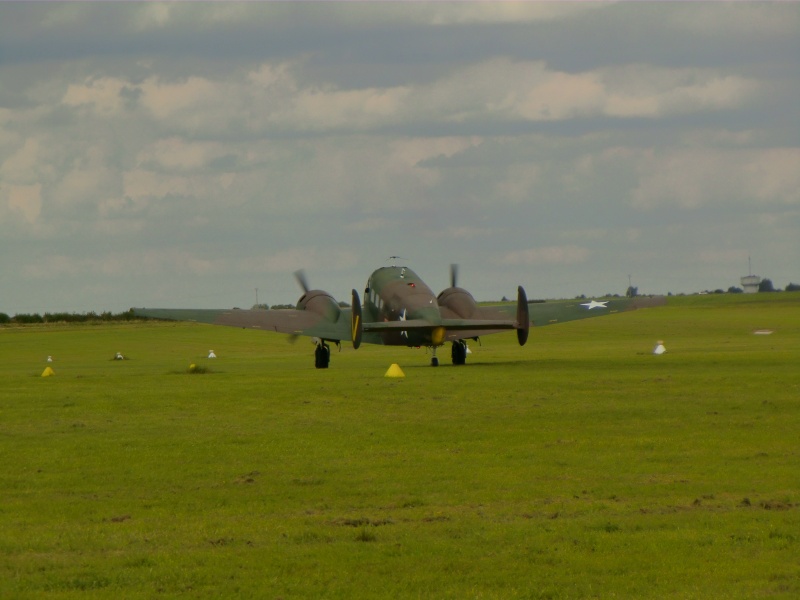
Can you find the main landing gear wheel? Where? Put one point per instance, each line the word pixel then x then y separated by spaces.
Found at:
pixel 459 352
pixel 322 355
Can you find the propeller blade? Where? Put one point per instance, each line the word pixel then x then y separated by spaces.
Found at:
pixel 453 275
pixel 356 323
pixel 300 276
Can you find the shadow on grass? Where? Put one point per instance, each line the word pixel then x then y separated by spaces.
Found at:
pixel 480 365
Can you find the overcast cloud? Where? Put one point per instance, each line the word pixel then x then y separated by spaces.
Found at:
pixel 185 154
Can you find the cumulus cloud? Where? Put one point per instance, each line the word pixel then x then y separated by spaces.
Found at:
pixel 644 91
pixel 25 200
pixel 446 13
pixel 531 91
pixel 23 165
pixel 103 95
pixel 169 100
pixel 175 154
pixel 159 15
pixel 737 18
pixel 271 97
pixel 153 15
pixel 691 178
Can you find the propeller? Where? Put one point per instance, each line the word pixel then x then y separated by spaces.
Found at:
pixel 453 275
pixel 300 276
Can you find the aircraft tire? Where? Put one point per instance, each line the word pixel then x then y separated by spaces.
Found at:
pixel 459 352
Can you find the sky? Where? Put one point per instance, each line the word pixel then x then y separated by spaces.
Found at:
pixel 197 154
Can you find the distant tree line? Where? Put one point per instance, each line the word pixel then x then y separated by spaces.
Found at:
pixel 64 317
pixel 606 295
pixel 765 286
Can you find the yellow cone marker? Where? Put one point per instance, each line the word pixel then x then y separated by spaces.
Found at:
pixel 395 371
pixel 48 371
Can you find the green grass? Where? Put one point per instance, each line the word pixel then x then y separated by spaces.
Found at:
pixel 578 466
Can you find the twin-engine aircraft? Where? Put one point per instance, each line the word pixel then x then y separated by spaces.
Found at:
pixel 399 309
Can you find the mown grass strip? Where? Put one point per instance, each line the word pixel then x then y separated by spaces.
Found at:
pixel 580 465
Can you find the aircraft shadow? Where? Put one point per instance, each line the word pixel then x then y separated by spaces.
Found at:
pixel 472 365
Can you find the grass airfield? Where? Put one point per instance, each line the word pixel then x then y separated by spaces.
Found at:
pixel 578 466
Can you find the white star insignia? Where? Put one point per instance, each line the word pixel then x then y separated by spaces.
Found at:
pixel 594 304
pixel 403 318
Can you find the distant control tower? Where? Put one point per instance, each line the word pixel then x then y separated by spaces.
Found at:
pixel 750 282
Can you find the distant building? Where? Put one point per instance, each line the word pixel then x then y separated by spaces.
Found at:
pixel 750 283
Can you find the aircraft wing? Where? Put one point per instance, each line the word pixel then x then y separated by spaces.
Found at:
pixel 561 311
pixel 550 313
pixel 293 322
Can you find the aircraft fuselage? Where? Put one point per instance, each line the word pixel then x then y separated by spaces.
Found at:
pixel 398 294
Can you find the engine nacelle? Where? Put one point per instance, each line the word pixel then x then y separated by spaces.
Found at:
pixel 322 303
pixel 459 301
